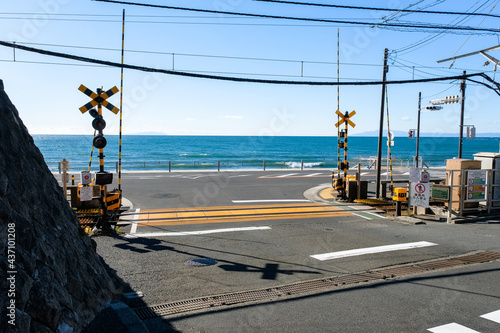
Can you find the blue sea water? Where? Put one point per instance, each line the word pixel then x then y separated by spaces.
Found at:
pixel 153 152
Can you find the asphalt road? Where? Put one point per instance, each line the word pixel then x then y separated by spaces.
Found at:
pixel 277 248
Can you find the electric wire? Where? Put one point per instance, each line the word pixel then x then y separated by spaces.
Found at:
pixel 478 26
pixel 241 79
pixel 392 25
pixel 428 40
pixel 416 11
pixel 416 65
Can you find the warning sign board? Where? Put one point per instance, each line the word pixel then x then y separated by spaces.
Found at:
pixel 86 193
pixel 476 185
pixel 419 194
pixel 345 118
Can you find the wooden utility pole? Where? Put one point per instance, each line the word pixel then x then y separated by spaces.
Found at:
pixel 418 127
pixel 462 109
pixel 381 126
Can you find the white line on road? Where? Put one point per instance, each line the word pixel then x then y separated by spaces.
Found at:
pixel 287 175
pixel 369 250
pixel 364 173
pixel 191 233
pixel 312 175
pixel 271 200
pixel 135 217
pixel 451 328
pixel 493 316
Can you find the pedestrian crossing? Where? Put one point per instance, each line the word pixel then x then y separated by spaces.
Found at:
pixel 268 175
pixel 242 213
pixel 296 175
pixel 458 328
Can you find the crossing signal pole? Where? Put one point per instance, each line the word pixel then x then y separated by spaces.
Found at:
pixel 342 144
pixel 102 178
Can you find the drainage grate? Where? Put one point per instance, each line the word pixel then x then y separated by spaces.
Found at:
pixel 331 283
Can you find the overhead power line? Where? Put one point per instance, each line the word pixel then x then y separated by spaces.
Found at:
pixel 415 11
pixel 240 79
pixel 421 26
pixel 414 66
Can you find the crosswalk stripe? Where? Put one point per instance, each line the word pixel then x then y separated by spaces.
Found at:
pixel 451 328
pixel 370 250
pixel 312 175
pixel 287 175
pixel 493 316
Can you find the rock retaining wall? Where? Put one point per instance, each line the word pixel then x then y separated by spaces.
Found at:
pixel 52 280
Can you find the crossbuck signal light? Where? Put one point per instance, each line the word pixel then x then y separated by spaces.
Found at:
pixel 99 124
pixel 100 141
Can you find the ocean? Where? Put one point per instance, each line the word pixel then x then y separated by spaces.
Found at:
pixel 154 152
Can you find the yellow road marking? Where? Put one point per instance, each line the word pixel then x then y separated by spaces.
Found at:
pixel 240 219
pixel 197 215
pixel 327 193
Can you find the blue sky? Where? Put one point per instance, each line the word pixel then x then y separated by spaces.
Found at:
pixel 45 89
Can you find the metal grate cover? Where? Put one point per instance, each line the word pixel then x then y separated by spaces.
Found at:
pixel 323 284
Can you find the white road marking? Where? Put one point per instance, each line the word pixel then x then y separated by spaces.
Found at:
pixel 238 176
pixel 191 233
pixel 361 208
pixel 364 173
pixel 271 200
pixel 493 316
pixel 370 250
pixel 312 175
pixel 135 217
pixel 365 217
pixel 451 328
pixel 287 175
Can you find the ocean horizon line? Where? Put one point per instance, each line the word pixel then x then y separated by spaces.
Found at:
pixel 360 135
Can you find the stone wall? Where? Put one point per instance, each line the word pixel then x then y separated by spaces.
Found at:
pixel 52 280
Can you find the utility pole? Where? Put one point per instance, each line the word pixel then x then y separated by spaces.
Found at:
pixel 381 126
pixel 462 108
pixel 418 126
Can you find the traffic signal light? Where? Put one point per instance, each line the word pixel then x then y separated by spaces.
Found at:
pixel 434 107
pixel 451 99
pixel 410 134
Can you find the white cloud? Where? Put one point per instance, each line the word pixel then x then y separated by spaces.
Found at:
pixel 406 118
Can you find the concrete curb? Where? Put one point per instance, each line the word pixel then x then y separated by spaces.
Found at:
pixel 313 193
pixel 409 220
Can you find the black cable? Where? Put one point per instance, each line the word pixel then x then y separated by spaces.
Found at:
pixel 378 9
pixel 234 79
pixel 393 25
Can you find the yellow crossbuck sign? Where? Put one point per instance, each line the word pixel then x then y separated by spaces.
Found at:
pixel 345 118
pixel 99 98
